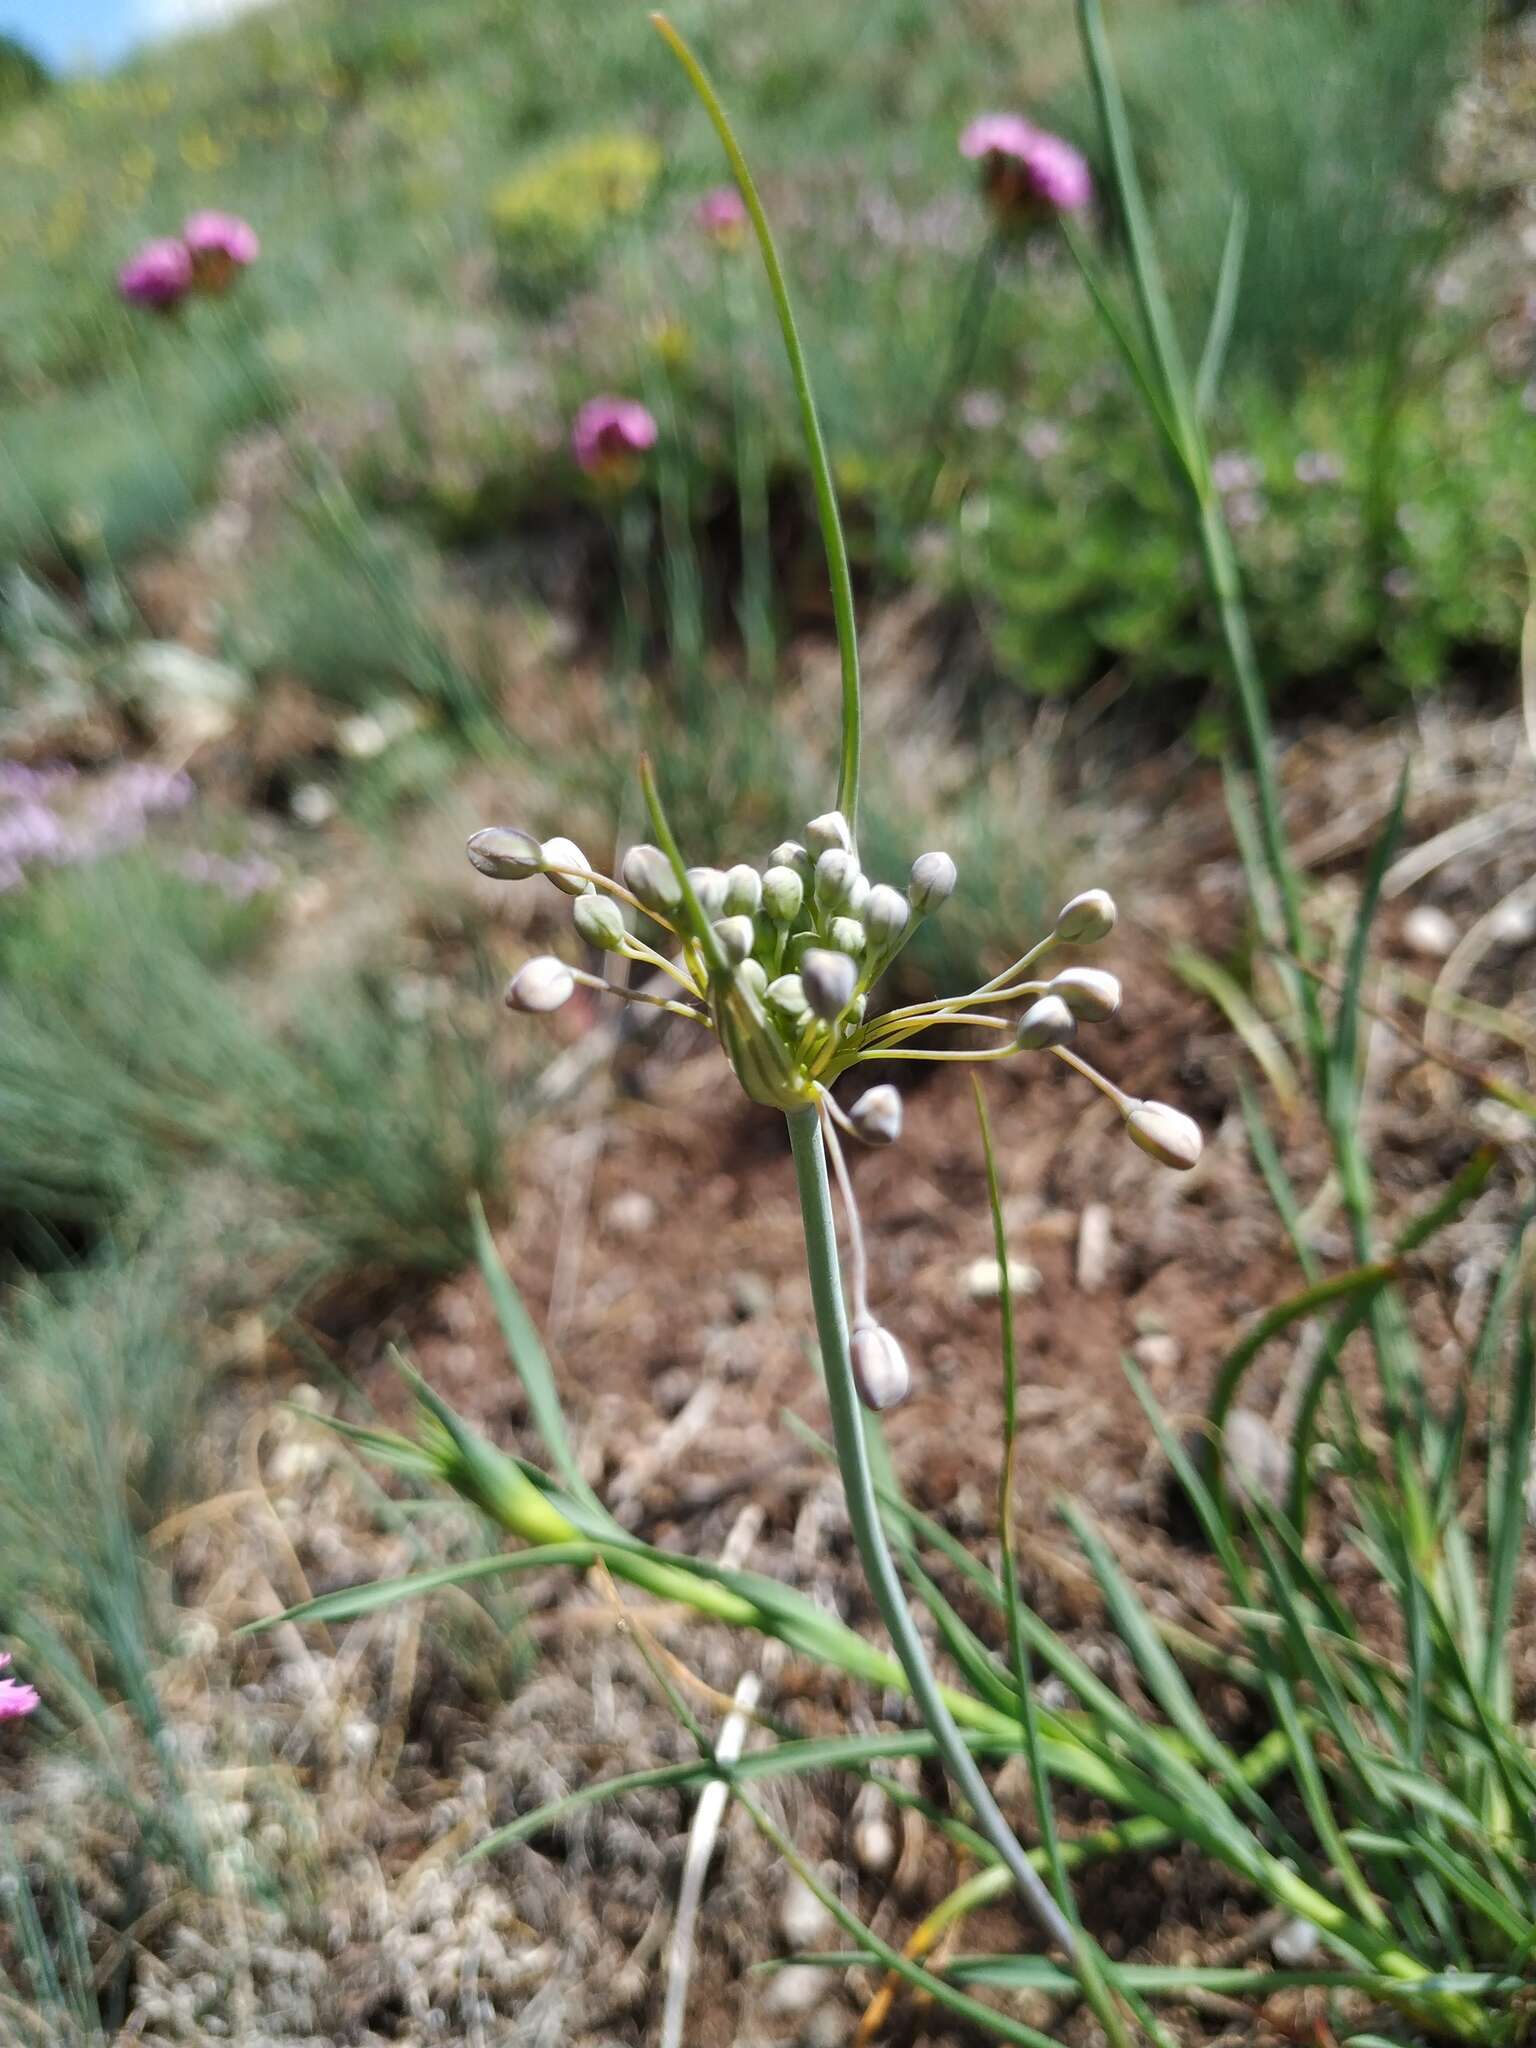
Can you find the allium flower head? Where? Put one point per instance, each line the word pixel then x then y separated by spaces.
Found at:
pixel 16 1700
pixel 1027 173
pixel 610 435
pixel 158 275
pixel 722 214
pixel 220 246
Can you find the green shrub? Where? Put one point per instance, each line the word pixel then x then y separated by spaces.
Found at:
pixel 550 219
pixel 23 77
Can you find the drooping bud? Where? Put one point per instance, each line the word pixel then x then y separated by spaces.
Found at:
pixel 566 854
pixel 837 880
pixel 743 891
pixel 736 936
pixel 1166 1135
pixel 540 984
pixel 885 916
pixel 876 1116
pixel 783 893
pixel 651 879
pixel 1087 918
pixel 830 980
pixel 826 832
pixel 932 882
pixel 787 996
pixel 505 853
pixel 709 887
pixel 1088 992
pixel 846 934
pixel 1045 1023
pixel 753 974
pixel 789 853
pixel 600 922
pixel 880 1369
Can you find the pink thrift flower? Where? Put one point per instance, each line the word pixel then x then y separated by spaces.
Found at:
pixel 220 246
pixel 722 214
pixel 1027 173
pixel 610 435
pixel 16 1700
pixel 159 275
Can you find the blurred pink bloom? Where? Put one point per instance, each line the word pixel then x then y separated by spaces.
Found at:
pixel 722 214
pixel 610 434
pixel 1027 173
pixel 16 1700
pixel 159 275
pixel 220 246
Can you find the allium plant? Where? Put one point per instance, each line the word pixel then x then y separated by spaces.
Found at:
pixel 157 276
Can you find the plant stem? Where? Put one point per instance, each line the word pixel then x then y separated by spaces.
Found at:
pixel 864 1516
pixel 964 345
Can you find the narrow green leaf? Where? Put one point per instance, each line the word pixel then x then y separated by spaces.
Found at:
pixel 352 1602
pixel 1218 335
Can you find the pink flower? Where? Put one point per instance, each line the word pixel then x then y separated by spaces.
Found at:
pixel 16 1700
pixel 159 275
pixel 722 214
pixel 220 246
pixel 1026 173
pixel 610 435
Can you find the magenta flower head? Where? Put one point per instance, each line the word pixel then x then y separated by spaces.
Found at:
pixel 16 1700
pixel 609 437
pixel 1027 174
pixel 159 276
pixel 722 214
pixel 220 246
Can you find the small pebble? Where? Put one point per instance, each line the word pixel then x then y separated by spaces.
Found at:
pixel 1093 1247
pixel 984 1279
pixel 630 1214
pixel 1258 1459
pixel 796 1988
pixel 804 1921
pixel 1157 1351
pixel 1429 932
pixel 1295 1945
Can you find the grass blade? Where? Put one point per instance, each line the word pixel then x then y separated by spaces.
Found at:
pixel 1213 357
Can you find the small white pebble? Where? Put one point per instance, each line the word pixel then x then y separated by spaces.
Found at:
pixel 1157 1351
pixel 984 1279
pixel 796 1988
pixel 804 1921
pixel 1093 1247
pixel 1428 931
pixel 630 1214
pixel 312 804
pixel 1295 1945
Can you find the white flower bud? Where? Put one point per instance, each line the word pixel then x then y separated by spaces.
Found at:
pixel 932 882
pixel 1047 1022
pixel 880 1369
pixel 1088 992
pixel 1166 1134
pixel 830 980
pixel 1087 918
pixel 600 922
pixel 789 853
pixel 543 983
pixel 565 853
pixel 753 974
pixel 651 879
pixel 788 997
pixel 709 887
pixel 743 890
pixel 876 1116
pixel 846 935
pixel 828 831
pixel 783 893
pixel 885 915
pixel 505 853
pixel 737 936
pixel 837 879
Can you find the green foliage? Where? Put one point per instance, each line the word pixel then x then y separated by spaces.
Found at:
pixel 550 219
pixel 23 76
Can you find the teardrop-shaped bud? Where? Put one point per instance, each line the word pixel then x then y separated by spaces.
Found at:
pixel 847 935
pixel 600 922
pixel 566 857
pixel 651 879
pixel 543 983
pixel 783 893
pixel 1166 1135
pixel 709 887
pixel 1088 992
pixel 876 1116
pixel 786 994
pixel 743 890
pixel 1045 1023
pixel 830 980
pixel 789 853
pixel 885 914
pixel 931 882
pixel 753 974
pixel 828 831
pixel 1087 918
pixel 505 853
pixel 737 936
pixel 880 1369
pixel 837 880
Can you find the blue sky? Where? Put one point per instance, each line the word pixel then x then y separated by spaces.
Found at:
pixel 66 32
